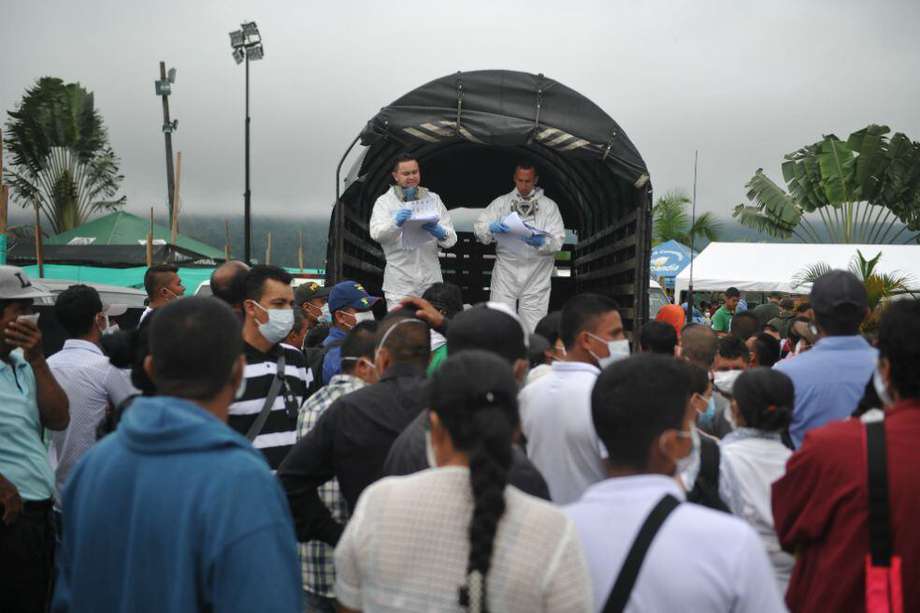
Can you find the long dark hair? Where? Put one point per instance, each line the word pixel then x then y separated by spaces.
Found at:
pixel 765 398
pixel 475 396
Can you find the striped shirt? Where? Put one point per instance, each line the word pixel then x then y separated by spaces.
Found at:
pixel 280 429
pixel 317 558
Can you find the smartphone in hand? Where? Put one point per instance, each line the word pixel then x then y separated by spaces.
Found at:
pixel 32 318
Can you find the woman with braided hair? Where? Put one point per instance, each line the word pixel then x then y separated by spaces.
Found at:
pixel 458 537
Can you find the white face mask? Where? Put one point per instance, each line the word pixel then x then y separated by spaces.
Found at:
pixel 616 351
pixel 429 450
pixel 279 324
pixel 682 464
pixel 881 389
pixel 363 316
pixel 689 468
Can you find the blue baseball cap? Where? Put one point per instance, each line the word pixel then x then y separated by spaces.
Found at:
pixel 350 294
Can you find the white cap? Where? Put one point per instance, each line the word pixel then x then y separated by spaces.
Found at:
pixel 15 285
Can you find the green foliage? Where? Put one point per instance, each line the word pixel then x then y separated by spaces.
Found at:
pixel 864 190
pixel 878 285
pixel 670 221
pixel 61 160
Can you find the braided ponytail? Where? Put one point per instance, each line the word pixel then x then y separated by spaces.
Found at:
pixel 475 396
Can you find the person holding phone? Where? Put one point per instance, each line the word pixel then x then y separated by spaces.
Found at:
pixel 30 401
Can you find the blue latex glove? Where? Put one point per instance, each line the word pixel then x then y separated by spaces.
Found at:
pixel 435 230
pixel 497 227
pixel 401 216
pixel 535 240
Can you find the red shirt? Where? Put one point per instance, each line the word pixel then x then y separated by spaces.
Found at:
pixel 820 510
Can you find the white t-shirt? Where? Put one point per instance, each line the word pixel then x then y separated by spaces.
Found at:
pixel 700 559
pixel 751 460
pixel 407 544
pixel 561 440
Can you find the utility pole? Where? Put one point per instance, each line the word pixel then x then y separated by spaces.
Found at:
pixel 163 89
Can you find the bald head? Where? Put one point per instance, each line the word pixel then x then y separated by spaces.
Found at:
pixel 699 345
pixel 227 282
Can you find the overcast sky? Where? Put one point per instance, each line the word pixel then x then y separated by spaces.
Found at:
pixel 744 82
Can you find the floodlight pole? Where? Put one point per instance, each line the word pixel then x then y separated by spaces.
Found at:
pixel 167 134
pixel 247 230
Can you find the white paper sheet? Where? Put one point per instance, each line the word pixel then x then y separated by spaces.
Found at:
pixel 518 230
pixel 413 234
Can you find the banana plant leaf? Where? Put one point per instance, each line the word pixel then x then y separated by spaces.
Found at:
pixel 838 164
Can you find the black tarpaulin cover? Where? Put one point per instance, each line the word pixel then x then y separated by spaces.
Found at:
pixel 508 108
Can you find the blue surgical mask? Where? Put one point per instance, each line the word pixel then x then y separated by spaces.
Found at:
pixel 710 411
pixel 279 324
pixel 409 193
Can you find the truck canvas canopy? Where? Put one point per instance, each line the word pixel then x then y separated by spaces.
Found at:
pixel 468 130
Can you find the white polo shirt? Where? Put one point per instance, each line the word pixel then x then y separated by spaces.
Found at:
pixel 561 440
pixel 700 560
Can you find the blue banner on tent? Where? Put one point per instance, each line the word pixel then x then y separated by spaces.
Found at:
pixel 667 260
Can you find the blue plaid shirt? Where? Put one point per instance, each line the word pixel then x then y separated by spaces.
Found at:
pixel 317 558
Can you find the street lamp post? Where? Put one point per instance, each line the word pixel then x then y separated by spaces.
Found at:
pixel 247 45
pixel 164 89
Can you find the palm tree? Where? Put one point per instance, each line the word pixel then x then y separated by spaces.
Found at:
pixel 61 161
pixel 878 285
pixel 863 190
pixel 671 222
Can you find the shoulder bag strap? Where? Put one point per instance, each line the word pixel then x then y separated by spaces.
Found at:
pixel 259 423
pixel 629 572
pixel 879 509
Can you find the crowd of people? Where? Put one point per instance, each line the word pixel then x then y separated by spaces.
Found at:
pixel 274 448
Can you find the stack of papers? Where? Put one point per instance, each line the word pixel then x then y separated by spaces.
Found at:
pixel 518 232
pixel 423 212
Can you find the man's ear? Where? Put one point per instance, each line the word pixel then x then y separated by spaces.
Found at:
pixel 238 372
pixel 521 367
pixel 382 361
pixel 148 368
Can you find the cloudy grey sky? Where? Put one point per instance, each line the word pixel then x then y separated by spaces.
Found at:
pixel 744 82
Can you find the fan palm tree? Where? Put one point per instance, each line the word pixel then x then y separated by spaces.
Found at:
pixel 863 190
pixel 878 285
pixel 61 161
pixel 671 222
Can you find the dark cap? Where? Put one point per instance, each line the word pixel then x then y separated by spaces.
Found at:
pixel 350 294
pixel 836 288
pixel 488 327
pixel 309 291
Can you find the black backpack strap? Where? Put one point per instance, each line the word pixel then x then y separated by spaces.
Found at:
pixel 261 418
pixel 709 461
pixel 879 508
pixel 629 572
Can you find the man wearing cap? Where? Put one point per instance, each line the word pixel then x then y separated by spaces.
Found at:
pixel 409 270
pixel 30 400
pixel 831 378
pixel 522 274
pixel 92 384
pixel 349 303
pixel 313 300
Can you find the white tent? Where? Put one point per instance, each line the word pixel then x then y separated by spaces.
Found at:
pixel 765 267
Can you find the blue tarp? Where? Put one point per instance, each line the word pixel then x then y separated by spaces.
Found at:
pixel 667 260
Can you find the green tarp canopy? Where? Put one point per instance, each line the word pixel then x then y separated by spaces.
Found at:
pixel 121 228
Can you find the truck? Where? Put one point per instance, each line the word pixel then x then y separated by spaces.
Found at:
pixel 468 130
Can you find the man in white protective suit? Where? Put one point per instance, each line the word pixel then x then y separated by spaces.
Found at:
pixel 413 268
pixel 522 273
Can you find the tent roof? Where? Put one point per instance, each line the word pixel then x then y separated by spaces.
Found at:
pixel 764 267
pixel 109 255
pixel 122 228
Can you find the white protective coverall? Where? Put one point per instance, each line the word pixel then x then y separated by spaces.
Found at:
pixel 409 272
pixel 523 281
